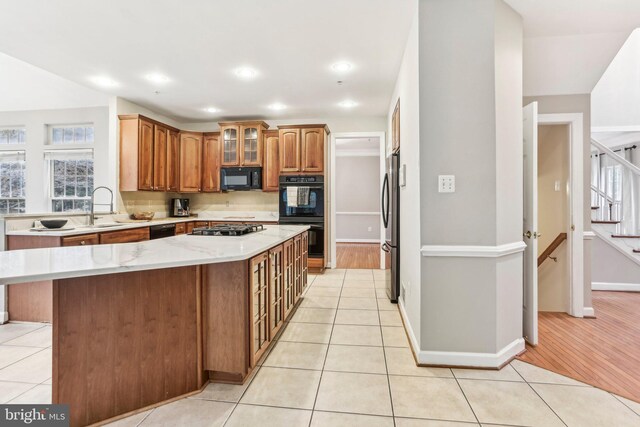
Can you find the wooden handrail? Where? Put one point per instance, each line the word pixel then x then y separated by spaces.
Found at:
pixel 552 247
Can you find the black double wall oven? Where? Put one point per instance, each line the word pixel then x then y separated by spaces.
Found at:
pixel 301 201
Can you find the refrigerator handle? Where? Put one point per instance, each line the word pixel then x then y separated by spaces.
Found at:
pixel 385 247
pixel 385 206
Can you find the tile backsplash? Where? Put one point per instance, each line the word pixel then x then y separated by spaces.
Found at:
pixel 245 201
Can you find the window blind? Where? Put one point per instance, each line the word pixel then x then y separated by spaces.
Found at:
pixel 12 156
pixel 85 154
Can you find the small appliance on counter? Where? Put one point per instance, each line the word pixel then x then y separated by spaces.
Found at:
pixel 240 179
pixel 227 230
pixel 180 207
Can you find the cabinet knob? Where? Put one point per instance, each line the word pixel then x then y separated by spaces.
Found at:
pixel 82 243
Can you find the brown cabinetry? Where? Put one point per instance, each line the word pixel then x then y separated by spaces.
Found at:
pixel 276 288
pixel 145 154
pixel 271 163
pixel 305 259
pixel 82 240
pixel 211 163
pixel 241 143
pixel 190 162
pixel 289 277
pixel 302 149
pixel 297 267
pixel 173 161
pixel 259 290
pixel 181 228
pixel 125 236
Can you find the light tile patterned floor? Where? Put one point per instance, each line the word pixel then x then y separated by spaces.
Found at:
pixel 344 360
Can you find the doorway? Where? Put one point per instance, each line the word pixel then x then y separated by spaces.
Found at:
pixel 357 230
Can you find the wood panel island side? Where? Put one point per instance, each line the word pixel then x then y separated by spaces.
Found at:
pixel 140 324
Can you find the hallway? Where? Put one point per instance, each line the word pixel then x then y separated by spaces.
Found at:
pixel 358 255
pixel 604 352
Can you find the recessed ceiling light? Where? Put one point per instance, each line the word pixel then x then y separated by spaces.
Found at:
pixel 341 67
pixel 157 78
pixel 246 73
pixel 348 104
pixel 211 110
pixel 277 106
pixel 104 81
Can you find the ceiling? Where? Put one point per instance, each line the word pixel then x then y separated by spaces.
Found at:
pixel 198 45
pixel 357 145
pixel 19 82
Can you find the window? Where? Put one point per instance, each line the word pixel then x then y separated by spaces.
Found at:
pixel 12 135
pixel 71 134
pixel 71 179
pixel 12 182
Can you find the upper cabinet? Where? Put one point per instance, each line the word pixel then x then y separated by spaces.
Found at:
pixel 145 154
pixel 302 149
pixel 271 161
pixel 241 143
pixel 395 128
pixel 211 162
pixel 190 162
pixel 173 161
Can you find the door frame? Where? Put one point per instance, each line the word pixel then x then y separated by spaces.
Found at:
pixel 332 188
pixel 576 205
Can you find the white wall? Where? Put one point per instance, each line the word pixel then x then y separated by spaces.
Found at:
pixel 610 266
pixel 407 90
pixel 357 198
pixel 36 123
pixel 615 100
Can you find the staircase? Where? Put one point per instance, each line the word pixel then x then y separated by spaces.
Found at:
pixel 615 200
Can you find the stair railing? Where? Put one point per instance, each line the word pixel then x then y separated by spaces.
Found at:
pixel 615 189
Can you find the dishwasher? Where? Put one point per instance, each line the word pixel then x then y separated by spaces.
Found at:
pixel 160 231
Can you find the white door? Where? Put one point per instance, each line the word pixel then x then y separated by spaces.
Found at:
pixel 530 224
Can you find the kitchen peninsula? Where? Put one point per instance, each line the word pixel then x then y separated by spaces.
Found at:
pixel 136 324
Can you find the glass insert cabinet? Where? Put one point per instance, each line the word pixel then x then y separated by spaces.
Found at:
pixel 242 143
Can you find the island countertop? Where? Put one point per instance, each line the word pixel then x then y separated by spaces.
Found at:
pixel 30 265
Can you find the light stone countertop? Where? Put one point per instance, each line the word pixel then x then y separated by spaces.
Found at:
pixel 79 261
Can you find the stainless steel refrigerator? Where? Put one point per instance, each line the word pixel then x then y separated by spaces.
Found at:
pixel 391 220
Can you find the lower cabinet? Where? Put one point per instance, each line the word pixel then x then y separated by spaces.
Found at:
pixel 125 236
pixel 305 260
pixel 289 278
pixel 82 240
pixel 276 290
pixel 297 267
pixel 259 334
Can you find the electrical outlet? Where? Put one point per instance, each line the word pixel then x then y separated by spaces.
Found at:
pixel 556 186
pixel 369 228
pixel 227 203
pixel 446 183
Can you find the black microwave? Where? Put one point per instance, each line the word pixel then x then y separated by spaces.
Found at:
pixel 240 179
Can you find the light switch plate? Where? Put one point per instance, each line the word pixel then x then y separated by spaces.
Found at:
pixel 403 175
pixel 446 183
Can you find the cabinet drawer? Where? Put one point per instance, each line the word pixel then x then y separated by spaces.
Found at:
pixel 125 236
pixel 85 239
pixel 181 228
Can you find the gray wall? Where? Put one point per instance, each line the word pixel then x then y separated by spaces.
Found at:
pixel 576 104
pixel 610 266
pixel 357 191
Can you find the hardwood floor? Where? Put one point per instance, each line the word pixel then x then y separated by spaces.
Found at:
pixel 603 352
pixel 358 255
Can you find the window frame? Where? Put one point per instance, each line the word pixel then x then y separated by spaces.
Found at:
pixel 64 145
pixel 50 177
pixel 13 146
pixel 23 150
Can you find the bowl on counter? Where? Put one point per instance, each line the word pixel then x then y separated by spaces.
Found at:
pixel 53 223
pixel 145 216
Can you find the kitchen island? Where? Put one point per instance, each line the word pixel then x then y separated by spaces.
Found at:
pixel 137 324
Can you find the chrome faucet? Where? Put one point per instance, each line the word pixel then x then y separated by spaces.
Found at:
pixel 93 204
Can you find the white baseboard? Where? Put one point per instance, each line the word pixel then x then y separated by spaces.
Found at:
pixel 606 286
pixel 472 360
pixel 466 360
pixel 4 317
pixel 588 312
pixel 357 240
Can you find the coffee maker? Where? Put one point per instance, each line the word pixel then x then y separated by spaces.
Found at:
pixel 180 207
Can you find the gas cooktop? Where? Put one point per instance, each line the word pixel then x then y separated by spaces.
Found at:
pixel 227 230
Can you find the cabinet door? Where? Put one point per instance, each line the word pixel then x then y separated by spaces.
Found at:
pixel 305 259
pixel 289 274
pixel 173 161
pixel 190 162
pixel 230 153
pixel 276 289
pixel 289 140
pixel 297 267
pixel 181 228
pixel 259 313
pixel 125 236
pixel 145 155
pixel 312 147
pixel 211 164
pixel 159 158
pixel 251 153
pixel 271 170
